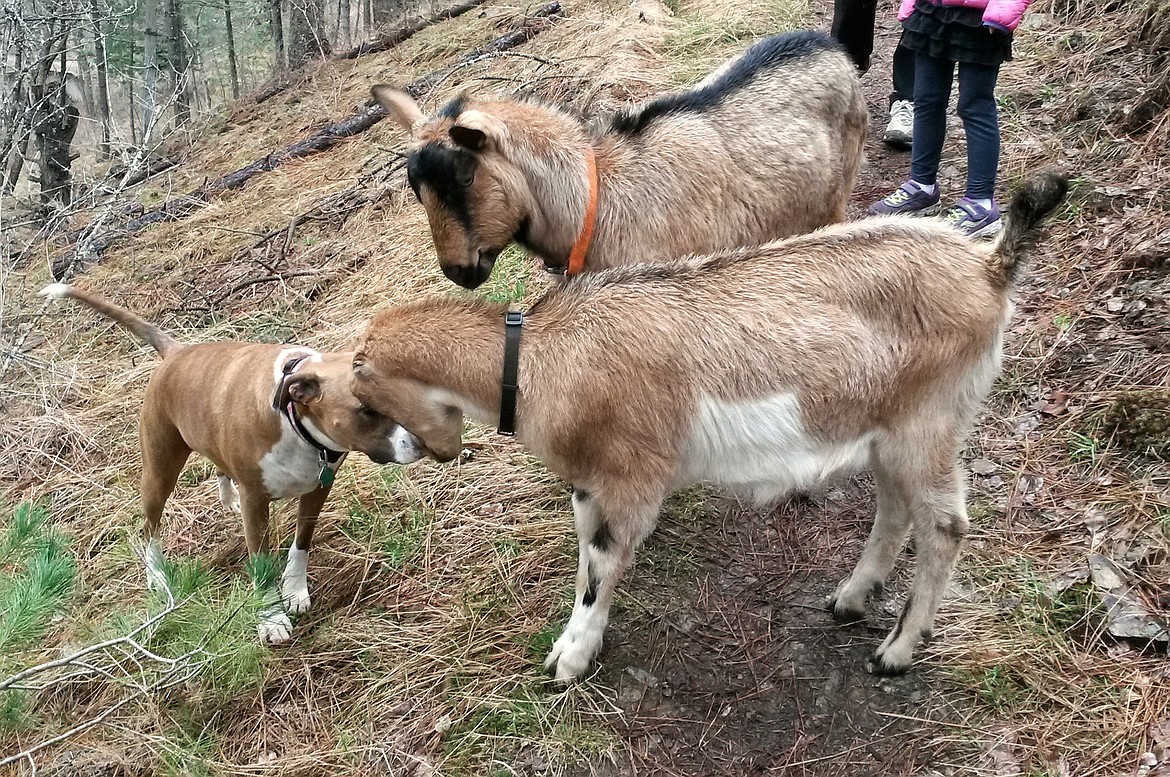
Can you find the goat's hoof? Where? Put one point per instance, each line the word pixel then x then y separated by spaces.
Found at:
pixel 843 614
pixel 878 665
pixel 569 660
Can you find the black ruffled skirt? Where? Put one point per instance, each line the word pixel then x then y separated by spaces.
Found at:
pixel 954 33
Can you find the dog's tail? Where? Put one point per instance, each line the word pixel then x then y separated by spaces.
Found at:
pixel 148 333
pixel 1030 205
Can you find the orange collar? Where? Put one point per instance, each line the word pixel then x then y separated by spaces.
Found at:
pixel 577 256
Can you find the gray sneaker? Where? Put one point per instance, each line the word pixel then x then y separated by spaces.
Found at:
pixel 907 200
pixel 900 130
pixel 972 220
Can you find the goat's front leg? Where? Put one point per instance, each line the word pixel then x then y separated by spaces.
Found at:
pixel 607 541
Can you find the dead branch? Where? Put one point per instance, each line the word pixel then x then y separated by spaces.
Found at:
pixel 323 140
pixel 409 28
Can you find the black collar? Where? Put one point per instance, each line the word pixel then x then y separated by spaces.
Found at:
pixel 509 382
pixel 283 404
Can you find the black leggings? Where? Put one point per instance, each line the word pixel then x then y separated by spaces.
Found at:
pixel 853 26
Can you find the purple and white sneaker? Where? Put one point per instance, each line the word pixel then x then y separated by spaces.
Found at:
pixel 907 200
pixel 972 219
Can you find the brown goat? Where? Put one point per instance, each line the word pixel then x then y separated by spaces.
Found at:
pixel 863 345
pixel 766 147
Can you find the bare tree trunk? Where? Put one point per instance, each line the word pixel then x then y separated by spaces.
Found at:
pixel 15 121
pixel 179 61
pixel 385 12
pixel 306 32
pixel 231 46
pixel 149 65
pixel 103 85
pixel 363 25
pixel 278 35
pixel 54 124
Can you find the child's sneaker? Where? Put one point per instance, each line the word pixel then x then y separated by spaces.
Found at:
pixel 972 219
pixel 900 130
pixel 907 200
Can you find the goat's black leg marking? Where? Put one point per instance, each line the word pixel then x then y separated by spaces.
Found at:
pixel 601 538
pixel 590 595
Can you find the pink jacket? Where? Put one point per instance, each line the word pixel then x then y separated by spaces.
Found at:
pixel 1004 14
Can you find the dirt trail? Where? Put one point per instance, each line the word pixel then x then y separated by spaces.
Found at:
pixel 748 674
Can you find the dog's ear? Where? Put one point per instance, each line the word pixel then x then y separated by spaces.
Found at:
pixel 304 389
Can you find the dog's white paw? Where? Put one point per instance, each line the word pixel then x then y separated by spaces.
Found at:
pixel 572 654
pixel 296 599
pixel 229 495
pixel 156 579
pixel 294 582
pixel 274 628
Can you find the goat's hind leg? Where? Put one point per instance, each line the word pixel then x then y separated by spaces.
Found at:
pixel 939 516
pixel 606 541
pixel 885 543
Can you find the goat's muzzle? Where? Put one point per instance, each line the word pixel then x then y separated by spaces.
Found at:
pixel 472 276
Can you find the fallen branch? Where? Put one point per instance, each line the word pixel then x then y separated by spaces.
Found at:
pixel 372 113
pixel 415 25
pixel 391 39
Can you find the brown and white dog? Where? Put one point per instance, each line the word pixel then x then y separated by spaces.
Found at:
pixel 277 422
pixel 766 369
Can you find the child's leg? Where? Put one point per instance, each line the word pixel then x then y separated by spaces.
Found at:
pixel 903 79
pixel 981 120
pixel 932 89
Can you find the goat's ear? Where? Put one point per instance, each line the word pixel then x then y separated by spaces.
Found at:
pixel 476 130
pixel 399 106
pixel 304 389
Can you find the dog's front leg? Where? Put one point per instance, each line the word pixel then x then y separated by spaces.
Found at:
pixel 274 626
pixel 607 540
pixel 294 583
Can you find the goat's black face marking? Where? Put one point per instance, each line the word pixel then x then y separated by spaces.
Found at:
pixel 447 171
pixel 601 538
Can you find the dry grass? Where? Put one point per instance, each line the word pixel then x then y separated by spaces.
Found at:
pixel 1025 633
pixel 437 589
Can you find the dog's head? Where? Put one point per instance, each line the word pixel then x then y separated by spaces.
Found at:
pixel 320 387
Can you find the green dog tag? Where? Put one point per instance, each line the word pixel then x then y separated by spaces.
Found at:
pixel 326 477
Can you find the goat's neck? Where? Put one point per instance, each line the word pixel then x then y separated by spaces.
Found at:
pixel 465 372
pixel 560 189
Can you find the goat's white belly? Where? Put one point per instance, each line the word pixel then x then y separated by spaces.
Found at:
pixel 291 467
pixel 761 447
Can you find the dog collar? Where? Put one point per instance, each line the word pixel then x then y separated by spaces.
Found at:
pixel 509 381
pixel 330 459
pixel 580 248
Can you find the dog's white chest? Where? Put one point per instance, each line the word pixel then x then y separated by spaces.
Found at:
pixel 291 467
pixel 761 446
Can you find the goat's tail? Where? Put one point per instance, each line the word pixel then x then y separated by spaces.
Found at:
pixel 1030 205
pixel 147 332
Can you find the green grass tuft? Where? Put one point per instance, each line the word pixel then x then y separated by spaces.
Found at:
pixel 219 619
pixel 509 279
pixel 27 520
pixel 264 570
pixel 36 591
pixel 12 711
